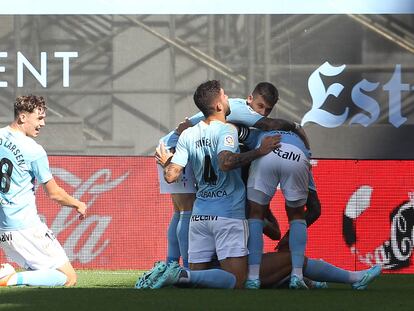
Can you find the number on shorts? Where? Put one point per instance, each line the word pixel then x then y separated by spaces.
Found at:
pixel 209 175
pixel 6 169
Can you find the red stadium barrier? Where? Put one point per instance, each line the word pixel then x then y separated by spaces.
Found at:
pixel 367 213
pixel 378 197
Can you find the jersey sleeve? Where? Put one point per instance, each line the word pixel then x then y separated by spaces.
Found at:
pixel 40 168
pixel 170 140
pixel 181 154
pixel 195 119
pixel 228 139
pixel 242 113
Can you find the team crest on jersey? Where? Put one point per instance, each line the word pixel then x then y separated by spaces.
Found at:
pixel 229 141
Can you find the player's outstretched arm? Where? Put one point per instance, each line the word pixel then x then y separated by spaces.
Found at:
pixel 59 195
pixel 313 207
pixel 271 226
pixel 229 160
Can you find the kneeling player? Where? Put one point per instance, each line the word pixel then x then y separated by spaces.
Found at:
pixel 23 236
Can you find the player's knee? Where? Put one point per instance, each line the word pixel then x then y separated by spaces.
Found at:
pixel 294 210
pixel 256 210
pixel 232 280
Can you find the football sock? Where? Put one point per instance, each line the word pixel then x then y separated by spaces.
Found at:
pixel 323 271
pixel 255 246
pixel 49 277
pixel 173 249
pixel 212 278
pixel 182 234
pixel 297 245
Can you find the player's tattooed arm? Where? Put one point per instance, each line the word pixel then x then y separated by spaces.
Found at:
pixel 163 155
pixel 229 160
pixel 171 172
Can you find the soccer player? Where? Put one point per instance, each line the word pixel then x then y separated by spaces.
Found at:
pixel 288 166
pixel 23 236
pixel 276 267
pixel 218 224
pixel 182 195
pixel 250 112
pixel 312 213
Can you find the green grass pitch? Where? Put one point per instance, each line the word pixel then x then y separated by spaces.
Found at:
pixel 113 290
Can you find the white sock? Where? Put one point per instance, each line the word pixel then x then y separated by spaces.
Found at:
pixel 254 271
pixel 298 272
pixel 13 280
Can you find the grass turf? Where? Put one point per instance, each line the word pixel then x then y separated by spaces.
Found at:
pixel 113 290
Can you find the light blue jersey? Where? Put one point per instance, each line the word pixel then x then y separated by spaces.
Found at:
pixel 22 160
pixel 219 193
pixel 255 137
pixel 240 113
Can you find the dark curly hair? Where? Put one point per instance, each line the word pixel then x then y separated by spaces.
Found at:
pixel 28 103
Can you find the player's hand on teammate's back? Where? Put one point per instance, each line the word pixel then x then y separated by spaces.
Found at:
pixel 162 155
pixel 269 143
